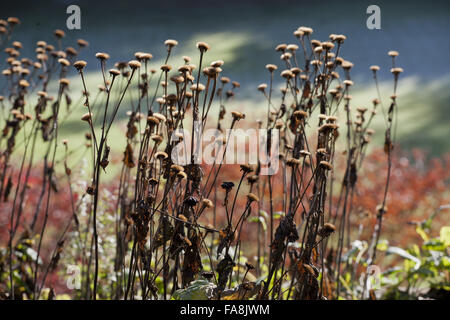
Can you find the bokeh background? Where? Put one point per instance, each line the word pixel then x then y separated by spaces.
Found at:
pixel 244 34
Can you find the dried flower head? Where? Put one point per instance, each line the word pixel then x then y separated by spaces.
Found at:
pixel 191 201
pixel 393 53
pixel 291 162
pixel 237 115
pixel 347 65
pixel 102 56
pixel 114 72
pixel 198 88
pixel 161 155
pixel 292 47
pixel 64 81
pixel 207 203
pixel 59 33
pixel 82 43
pixel 134 64
pixel 166 67
pixel 271 67
pixel 306 30
pixel 156 138
pixel 13 21
pixel 24 83
pixel 262 87
pixel 326 165
pixel 252 197
pixel 246 168
pixel 396 71
pixel 227 185
pixel 217 63
pixel 202 46
pixel 87 117
pixel 305 153
pixel 64 62
pixel 176 168
pixel 281 47
pixel 170 43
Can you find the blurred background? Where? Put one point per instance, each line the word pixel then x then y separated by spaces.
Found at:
pixel 244 34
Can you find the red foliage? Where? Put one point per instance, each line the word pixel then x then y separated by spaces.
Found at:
pixel 417 188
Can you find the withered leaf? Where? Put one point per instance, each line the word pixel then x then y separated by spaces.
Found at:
pixel 128 156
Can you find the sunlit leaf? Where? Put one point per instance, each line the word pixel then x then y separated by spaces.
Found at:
pixel 383 245
pixel 402 253
pixel 422 233
pixel 198 290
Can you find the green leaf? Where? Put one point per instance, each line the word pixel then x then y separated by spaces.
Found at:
pixel 445 235
pixel 434 245
pixel 416 250
pixel 445 262
pixel 264 214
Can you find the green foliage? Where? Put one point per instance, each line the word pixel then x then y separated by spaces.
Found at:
pixel 425 268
